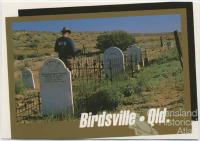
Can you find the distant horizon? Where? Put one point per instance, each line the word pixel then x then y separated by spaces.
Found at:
pixel 99 31
pixel 131 24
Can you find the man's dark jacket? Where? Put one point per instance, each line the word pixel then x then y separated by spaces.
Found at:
pixel 65 47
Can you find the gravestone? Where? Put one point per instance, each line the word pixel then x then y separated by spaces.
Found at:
pixel 134 57
pixel 27 78
pixel 56 88
pixel 113 61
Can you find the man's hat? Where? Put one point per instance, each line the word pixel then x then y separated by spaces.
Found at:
pixel 64 30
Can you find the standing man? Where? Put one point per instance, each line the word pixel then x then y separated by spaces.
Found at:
pixel 65 48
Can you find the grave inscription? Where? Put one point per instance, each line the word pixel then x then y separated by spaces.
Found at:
pixel 56 88
pixel 113 61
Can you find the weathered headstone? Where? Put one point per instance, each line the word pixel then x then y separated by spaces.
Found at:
pixel 56 88
pixel 113 61
pixel 134 56
pixel 27 77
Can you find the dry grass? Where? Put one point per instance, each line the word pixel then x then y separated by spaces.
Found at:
pixel 167 94
pixel 21 40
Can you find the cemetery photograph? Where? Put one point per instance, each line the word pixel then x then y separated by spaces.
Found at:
pixel 63 68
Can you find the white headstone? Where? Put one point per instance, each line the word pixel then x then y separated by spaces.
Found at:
pixel 134 56
pixel 113 61
pixel 56 88
pixel 27 77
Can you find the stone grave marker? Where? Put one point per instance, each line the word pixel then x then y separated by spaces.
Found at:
pixel 56 88
pixel 113 61
pixel 27 78
pixel 134 56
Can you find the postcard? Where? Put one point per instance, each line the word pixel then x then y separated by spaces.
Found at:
pixel 102 71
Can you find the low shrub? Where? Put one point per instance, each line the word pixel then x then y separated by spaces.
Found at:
pixel 47 54
pixel 168 56
pixel 143 82
pixel 104 99
pixel 128 91
pixel 120 39
pixel 20 57
pixel 128 88
pixel 34 55
pixel 19 87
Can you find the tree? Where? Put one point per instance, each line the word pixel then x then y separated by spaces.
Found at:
pixel 120 39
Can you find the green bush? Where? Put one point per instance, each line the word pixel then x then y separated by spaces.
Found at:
pixel 20 57
pixel 120 39
pixel 143 82
pixel 128 90
pixel 168 56
pixel 19 87
pixel 47 54
pixel 32 45
pixel 34 55
pixel 104 99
